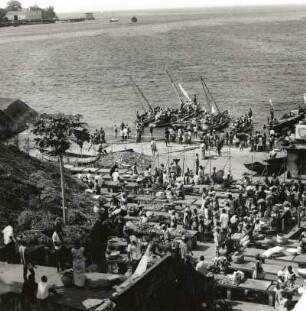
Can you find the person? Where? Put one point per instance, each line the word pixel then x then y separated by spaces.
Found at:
pixel 167 136
pixel 112 170
pixel 153 146
pixel 281 303
pixel 44 288
pixel 115 176
pixel 290 277
pixel 201 175
pixel 224 219
pixel 78 264
pixel 29 290
pixel 151 127
pixel 217 238
pixel 115 131
pixel 134 254
pixel 203 150
pixel 25 259
pixel 9 242
pixel 57 239
pixel 197 163
pixel 201 266
pixel 258 272
pixel 185 250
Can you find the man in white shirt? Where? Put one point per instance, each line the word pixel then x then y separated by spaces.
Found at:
pixel 134 254
pixel 201 266
pixel 224 218
pixel 44 289
pixel 57 239
pixel 9 242
pixel 115 176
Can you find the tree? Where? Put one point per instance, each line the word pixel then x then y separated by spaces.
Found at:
pixel 82 135
pixel 35 7
pixel 2 15
pixel 55 133
pixel 48 13
pixel 13 6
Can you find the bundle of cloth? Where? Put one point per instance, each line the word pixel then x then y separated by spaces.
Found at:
pixel 274 252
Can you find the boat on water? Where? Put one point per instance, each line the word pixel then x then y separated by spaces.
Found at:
pixel 242 125
pixel 288 121
pixel 114 20
pixel 159 117
pixel 134 19
pixel 271 166
pixel 189 112
pixel 213 118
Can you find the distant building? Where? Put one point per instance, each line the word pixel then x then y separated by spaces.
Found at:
pixel 89 16
pixel 24 15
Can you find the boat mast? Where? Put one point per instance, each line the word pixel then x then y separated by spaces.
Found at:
pixel 138 91
pixel 175 87
pixel 205 92
pixel 210 94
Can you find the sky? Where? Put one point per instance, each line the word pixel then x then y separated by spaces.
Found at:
pixel 108 5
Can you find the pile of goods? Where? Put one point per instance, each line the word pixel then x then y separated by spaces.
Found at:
pixel 125 158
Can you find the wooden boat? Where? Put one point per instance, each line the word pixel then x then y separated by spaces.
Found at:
pixel 148 116
pixel 276 166
pixel 114 20
pixel 134 19
pixel 287 123
pixel 215 111
pixel 241 129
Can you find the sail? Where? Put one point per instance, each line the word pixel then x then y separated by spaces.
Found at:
pixel 305 98
pixel 184 92
pixel 213 110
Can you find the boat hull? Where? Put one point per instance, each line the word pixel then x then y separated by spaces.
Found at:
pixel 288 124
pixel 276 166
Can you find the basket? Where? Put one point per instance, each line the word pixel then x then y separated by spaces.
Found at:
pixel 280 239
pixel 67 278
pixel 238 258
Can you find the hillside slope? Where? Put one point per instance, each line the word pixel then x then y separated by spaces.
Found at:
pixel 30 194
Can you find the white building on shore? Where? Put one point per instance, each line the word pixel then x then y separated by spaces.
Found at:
pixel 24 15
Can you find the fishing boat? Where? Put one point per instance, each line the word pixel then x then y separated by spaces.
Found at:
pixel 149 115
pixel 215 119
pixel 287 122
pixel 187 110
pixel 114 20
pixel 242 125
pixel 276 166
pixel 134 19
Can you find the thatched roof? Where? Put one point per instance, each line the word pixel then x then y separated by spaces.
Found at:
pixel 14 116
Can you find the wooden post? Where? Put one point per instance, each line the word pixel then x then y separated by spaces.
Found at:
pixel 63 189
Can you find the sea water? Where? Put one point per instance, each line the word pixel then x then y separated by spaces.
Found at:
pixel 247 56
